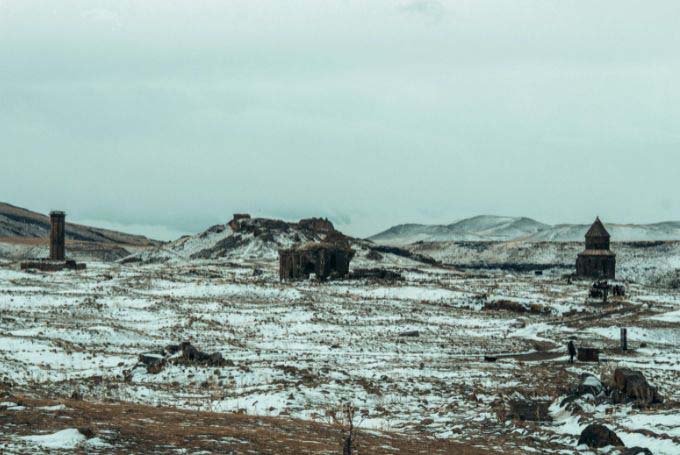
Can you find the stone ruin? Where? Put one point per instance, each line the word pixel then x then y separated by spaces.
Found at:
pixel 588 354
pixel 329 258
pixel 597 260
pixel 235 223
pixel 57 260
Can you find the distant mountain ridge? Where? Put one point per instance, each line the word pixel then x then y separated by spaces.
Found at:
pixel 19 223
pixel 500 228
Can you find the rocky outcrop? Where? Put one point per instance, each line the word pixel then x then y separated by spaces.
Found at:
pixel 318 225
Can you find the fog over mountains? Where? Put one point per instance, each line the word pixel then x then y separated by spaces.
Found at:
pixel 500 228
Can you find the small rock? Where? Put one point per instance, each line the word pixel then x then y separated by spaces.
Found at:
pixel 637 451
pixel 87 432
pixel 596 436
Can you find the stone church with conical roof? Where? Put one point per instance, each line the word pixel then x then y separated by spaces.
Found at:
pixel 597 260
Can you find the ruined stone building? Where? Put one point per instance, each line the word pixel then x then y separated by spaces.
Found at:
pixel 329 258
pixel 597 261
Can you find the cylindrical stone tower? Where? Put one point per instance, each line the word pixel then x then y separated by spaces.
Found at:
pixel 57 235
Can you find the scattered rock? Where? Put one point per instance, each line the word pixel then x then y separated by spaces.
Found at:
pixel 596 436
pixel 154 362
pixel 525 409
pixel 179 354
pixel 191 355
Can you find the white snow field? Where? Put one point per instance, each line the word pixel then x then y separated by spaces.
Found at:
pixel 302 349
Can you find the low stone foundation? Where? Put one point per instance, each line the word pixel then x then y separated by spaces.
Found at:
pixel 47 265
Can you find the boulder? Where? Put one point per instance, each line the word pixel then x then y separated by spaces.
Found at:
pixel 637 451
pixel 596 436
pixel 88 432
pixel 589 384
pixel 631 385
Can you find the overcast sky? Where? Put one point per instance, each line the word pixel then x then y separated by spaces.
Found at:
pixel 165 117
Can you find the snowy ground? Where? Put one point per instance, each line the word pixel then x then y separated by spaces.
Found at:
pixel 302 350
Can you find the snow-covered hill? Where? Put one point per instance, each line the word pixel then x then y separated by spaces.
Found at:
pixel 259 239
pixel 653 263
pixel 497 228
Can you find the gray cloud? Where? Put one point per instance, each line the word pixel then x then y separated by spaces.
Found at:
pixel 181 113
pixel 431 9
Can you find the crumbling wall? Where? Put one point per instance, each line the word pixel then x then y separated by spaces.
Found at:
pixel 320 259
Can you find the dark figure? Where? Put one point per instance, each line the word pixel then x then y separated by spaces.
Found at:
pixel 572 351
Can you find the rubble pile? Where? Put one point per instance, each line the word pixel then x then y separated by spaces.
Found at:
pixel 178 354
pixel 516 307
pixel 375 274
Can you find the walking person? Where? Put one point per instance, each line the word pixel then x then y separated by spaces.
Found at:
pixel 572 350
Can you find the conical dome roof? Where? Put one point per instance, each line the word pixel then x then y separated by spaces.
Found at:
pixel 597 230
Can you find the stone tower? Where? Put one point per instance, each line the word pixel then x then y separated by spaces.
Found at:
pixel 57 235
pixel 597 260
